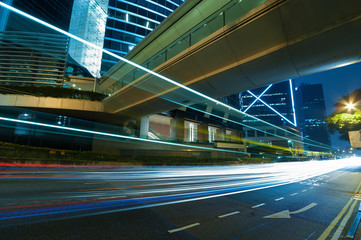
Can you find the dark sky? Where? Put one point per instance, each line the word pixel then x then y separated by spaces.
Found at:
pixel 336 83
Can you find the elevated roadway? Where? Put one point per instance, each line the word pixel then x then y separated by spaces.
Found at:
pixel 212 50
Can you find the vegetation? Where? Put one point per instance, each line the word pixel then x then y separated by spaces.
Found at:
pixel 49 91
pixel 347 116
pixel 16 152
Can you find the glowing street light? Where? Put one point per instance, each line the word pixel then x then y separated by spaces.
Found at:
pixel 350 106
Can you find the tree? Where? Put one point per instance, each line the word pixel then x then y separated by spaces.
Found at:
pixel 347 116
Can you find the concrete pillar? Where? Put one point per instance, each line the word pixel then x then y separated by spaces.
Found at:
pixel 208 111
pixel 203 132
pixel 4 15
pixel 144 127
pixel 225 116
pixel 177 129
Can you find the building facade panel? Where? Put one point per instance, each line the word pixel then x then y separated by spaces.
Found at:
pixel 28 57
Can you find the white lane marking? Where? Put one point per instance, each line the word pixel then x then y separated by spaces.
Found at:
pixel 304 190
pixel 259 205
pixel 228 214
pixel 183 228
pixel 287 213
pixel 279 199
pixel 293 194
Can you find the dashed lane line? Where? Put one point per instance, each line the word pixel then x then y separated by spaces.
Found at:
pixel 183 228
pixel 293 194
pixel 228 214
pixel 279 199
pixel 259 205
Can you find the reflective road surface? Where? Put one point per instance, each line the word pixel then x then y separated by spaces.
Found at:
pixel 298 200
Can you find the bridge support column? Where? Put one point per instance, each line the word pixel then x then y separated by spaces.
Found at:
pixel 144 127
pixel 177 129
pixel 203 132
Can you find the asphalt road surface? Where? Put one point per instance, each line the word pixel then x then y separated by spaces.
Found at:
pixel 300 200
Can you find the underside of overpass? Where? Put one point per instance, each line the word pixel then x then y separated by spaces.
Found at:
pixel 275 41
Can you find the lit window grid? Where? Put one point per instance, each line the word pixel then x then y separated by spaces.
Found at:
pixel 120 41
pixel 123 31
pixel 135 15
pixel 258 98
pixel 145 8
pixel 160 5
pixel 130 22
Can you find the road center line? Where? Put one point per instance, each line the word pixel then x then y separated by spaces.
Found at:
pixel 293 194
pixel 228 214
pixel 304 190
pixel 259 205
pixel 183 228
pixel 279 199
pixel 342 225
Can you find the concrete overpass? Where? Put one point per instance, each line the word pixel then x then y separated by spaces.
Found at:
pixel 224 47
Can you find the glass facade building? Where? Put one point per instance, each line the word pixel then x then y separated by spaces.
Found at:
pixel 273 103
pixel 55 12
pixel 128 23
pixel 88 22
pixel 311 109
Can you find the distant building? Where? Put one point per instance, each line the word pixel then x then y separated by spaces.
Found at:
pixel 274 106
pixel 273 103
pixel 311 110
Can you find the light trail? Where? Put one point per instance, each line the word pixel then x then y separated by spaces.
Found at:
pixel 166 186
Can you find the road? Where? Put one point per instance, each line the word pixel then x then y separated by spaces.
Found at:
pixel 300 200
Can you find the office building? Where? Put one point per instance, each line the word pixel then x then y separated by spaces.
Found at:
pixel 128 23
pixel 55 12
pixel 88 22
pixel 273 104
pixel 311 110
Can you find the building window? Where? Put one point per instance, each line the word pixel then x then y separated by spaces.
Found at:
pixel 212 133
pixel 192 132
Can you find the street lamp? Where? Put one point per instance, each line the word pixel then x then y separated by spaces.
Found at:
pixel 350 106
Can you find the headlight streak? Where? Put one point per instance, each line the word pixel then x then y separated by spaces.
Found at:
pixel 283 174
pixel 114 135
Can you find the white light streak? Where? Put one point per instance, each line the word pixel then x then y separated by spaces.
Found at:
pixel 112 135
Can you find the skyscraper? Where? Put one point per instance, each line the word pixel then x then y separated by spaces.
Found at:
pixel 129 21
pixel 116 25
pixel 273 103
pixel 311 110
pixel 55 12
pixel 88 22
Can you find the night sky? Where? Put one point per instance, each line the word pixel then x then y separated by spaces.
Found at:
pixel 336 83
